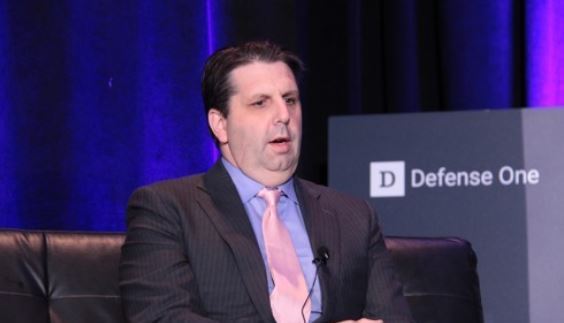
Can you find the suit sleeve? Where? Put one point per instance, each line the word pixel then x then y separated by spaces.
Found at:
pixel 384 299
pixel 156 280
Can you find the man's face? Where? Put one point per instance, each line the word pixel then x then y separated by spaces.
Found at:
pixel 262 133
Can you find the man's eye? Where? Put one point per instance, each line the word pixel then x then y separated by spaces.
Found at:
pixel 291 101
pixel 259 103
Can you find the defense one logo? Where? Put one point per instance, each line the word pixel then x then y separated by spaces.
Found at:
pixel 387 179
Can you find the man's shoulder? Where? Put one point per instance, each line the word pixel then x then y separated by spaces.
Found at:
pixel 329 195
pixel 173 187
pixel 177 182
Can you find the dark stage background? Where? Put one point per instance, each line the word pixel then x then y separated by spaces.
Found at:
pixel 99 97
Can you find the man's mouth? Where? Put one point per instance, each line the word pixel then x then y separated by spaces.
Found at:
pixel 280 140
pixel 281 145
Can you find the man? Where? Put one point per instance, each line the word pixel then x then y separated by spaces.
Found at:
pixel 247 241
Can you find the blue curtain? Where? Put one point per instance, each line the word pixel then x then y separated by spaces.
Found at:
pixel 100 97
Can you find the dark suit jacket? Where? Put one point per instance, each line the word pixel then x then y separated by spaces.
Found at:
pixel 191 255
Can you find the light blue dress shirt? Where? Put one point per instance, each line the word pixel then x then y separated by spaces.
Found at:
pixel 289 212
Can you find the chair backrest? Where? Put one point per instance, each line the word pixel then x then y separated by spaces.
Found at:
pixel 83 277
pixel 439 278
pixel 22 277
pixel 59 277
pixel 65 277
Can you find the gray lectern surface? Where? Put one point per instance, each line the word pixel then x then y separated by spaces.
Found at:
pixel 495 178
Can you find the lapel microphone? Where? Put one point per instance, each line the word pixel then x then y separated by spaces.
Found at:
pixel 322 257
pixel 320 260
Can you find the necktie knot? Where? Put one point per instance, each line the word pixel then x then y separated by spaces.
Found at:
pixel 270 195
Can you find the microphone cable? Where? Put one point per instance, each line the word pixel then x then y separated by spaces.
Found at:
pixel 320 260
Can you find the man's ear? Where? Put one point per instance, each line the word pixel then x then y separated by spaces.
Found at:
pixel 218 125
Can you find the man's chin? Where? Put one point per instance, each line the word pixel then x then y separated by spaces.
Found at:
pixel 282 165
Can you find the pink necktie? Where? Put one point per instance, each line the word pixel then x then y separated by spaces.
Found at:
pixel 290 289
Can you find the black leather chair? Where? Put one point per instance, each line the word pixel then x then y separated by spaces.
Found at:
pixel 62 277
pixel 439 278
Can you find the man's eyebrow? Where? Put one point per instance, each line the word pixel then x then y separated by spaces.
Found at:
pixel 291 93
pixel 259 96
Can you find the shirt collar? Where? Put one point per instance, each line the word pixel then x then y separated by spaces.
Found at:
pixel 248 188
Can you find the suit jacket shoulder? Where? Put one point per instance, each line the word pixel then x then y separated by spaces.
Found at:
pixel 171 190
pixel 331 197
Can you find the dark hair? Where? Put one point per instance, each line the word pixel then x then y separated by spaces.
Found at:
pixel 216 87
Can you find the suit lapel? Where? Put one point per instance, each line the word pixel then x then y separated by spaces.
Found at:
pixel 323 230
pixel 228 214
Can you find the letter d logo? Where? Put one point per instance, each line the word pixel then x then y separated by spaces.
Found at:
pixel 387 179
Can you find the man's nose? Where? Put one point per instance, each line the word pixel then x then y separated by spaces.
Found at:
pixel 282 111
